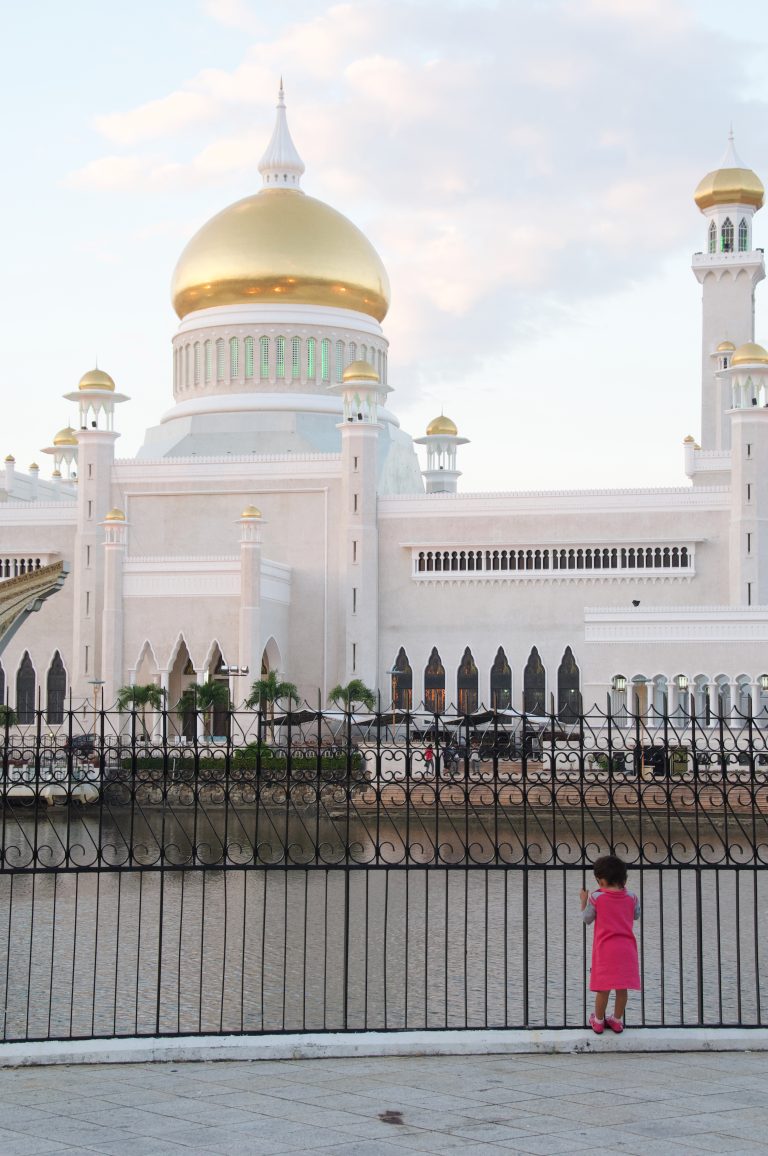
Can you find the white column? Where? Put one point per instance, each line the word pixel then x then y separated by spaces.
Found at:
pixel 249 637
pixel 112 613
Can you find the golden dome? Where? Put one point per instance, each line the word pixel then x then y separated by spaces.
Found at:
pixel 34 466
pixel 359 371
pixel 442 425
pixel 115 515
pixel 251 512
pixel 689 440
pixel 280 245
pixel 725 347
pixel 96 379
pixel 748 353
pixel 65 437
pixel 10 458
pixel 731 183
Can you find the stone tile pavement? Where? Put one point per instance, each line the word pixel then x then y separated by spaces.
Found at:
pixel 671 1104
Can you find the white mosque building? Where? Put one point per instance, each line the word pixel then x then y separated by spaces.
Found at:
pixel 278 517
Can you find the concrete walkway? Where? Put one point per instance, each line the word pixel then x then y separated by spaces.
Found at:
pixel 617 1103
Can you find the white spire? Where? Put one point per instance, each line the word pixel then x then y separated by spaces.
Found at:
pixel 281 166
pixel 731 159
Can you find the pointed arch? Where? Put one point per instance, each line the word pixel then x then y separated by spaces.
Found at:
pixel 214 659
pixel 534 684
pixel 712 237
pixel 434 683
pixel 180 643
pixel 743 235
pixel 501 682
pixel 271 659
pixel 726 236
pixel 568 689
pixel 402 681
pixel 146 657
pixel 55 690
pixel 26 686
pixel 466 683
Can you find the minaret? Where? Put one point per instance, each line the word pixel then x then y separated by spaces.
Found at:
pixel 441 440
pixel 728 271
pixel 115 530
pixel 745 381
pixel 362 393
pixel 96 398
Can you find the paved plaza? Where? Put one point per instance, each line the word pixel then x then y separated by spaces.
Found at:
pixel 669 1104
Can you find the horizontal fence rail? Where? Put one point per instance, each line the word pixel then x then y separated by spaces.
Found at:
pixel 264 871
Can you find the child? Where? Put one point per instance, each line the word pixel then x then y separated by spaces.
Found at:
pixel 615 967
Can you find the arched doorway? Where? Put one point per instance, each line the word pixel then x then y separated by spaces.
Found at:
pixel 466 683
pixel 501 682
pixel 434 683
pixel 568 693
pixel 181 675
pixel 534 684
pixel 56 689
pixel 217 672
pixel 402 682
pixel 25 690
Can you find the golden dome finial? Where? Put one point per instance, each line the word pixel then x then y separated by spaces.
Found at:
pixel 96 379
pixel 115 515
pixel 65 437
pixel 442 425
pixel 251 512
pixel 360 371
pixel 731 183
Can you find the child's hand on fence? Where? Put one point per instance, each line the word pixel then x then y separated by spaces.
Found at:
pixel 583 897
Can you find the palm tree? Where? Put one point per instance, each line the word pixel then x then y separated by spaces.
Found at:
pixel 205 697
pixel 7 716
pixel 270 690
pixel 139 698
pixel 354 692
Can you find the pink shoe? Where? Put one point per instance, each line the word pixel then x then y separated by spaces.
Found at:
pixel 598 1026
pixel 614 1024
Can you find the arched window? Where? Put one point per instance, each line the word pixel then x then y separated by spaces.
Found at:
pixel 339 359
pixel 434 684
pixel 466 683
pixel 534 684
pixel 295 357
pixel 208 360
pixel 25 690
pixel 568 695
pixel 187 366
pixel 280 357
pixel 325 359
pixel 501 681
pixel 726 236
pixel 351 352
pixel 56 688
pixel 234 357
pixel 264 357
pixel 402 682
pixel 743 236
pixel 221 351
pixel 311 355
pixel 712 237
pixel 197 363
pixel 249 357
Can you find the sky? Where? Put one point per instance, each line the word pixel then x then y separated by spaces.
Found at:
pixel 525 169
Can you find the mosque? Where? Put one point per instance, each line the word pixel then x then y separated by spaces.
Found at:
pixel 278 518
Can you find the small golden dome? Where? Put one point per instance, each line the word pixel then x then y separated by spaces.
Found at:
pixel 34 466
pixel 689 440
pixel 251 512
pixel 442 425
pixel 360 371
pixel 725 347
pixel 96 379
pixel 10 458
pixel 280 245
pixel 750 352
pixel 56 474
pixel 115 515
pixel 65 437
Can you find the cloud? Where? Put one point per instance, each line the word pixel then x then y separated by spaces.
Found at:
pixel 505 159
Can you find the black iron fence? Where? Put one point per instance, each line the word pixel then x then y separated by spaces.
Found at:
pixel 343 870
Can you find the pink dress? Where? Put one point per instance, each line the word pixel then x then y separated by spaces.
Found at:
pixel 614 947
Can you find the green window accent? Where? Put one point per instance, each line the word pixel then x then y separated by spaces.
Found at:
pixel 339 360
pixel 712 237
pixel 295 357
pixel 325 359
pixel 220 357
pixel 249 357
pixel 743 235
pixel 726 236
pixel 234 357
pixel 311 344
pixel 264 356
pixel 280 357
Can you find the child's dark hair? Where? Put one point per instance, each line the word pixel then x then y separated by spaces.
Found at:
pixel 611 870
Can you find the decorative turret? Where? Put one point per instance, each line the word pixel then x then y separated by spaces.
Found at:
pixel 64 451
pixel 96 397
pixel 441 440
pixel 362 392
